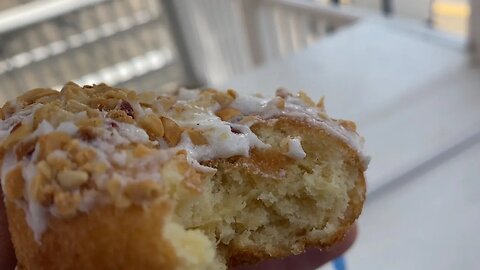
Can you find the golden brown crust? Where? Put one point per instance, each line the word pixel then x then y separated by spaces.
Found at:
pixel 106 238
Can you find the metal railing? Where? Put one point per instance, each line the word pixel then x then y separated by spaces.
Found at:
pixel 120 42
pixel 226 38
pixel 152 44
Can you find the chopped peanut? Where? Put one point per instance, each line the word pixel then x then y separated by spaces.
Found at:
pixel 153 126
pixel 196 137
pixel 348 125
pixel 53 141
pixel 25 148
pixel 232 93
pixel 41 190
pixel 21 131
pixel 166 102
pixel 120 116
pixel 66 204
pixel 321 103
pixel 84 155
pixel 32 95
pixel 44 169
pixel 306 99
pixel 224 99
pixel 227 113
pixel 142 151
pixel 71 179
pixel 173 131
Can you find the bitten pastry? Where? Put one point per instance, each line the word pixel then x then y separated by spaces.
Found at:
pixel 97 177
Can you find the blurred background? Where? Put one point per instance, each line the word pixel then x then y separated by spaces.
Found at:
pixel 404 70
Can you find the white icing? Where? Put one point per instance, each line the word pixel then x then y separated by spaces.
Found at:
pixel 132 133
pixel 67 127
pixel 120 158
pixel 137 108
pixel 7 125
pixel 266 108
pixel 222 142
pixel 187 94
pixel 295 149
pixel 43 128
pixel 89 199
pixel 36 215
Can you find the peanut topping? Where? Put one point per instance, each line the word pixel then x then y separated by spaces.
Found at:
pixel 232 93
pixel 25 148
pixel 66 203
pixel 114 190
pixel 196 137
pixel 72 91
pixel 152 125
pixel 90 122
pixel 166 102
pixel 19 132
pixel 83 156
pixel 53 114
pixel 115 94
pixel 41 189
pixel 142 151
pixel 120 116
pixel 321 103
pixel 104 104
pixel 306 99
pixel 227 113
pixel 348 125
pixel 173 131
pixel 32 95
pixel 44 169
pixel 70 179
pixel 224 99
pixel 51 142
pixel 146 98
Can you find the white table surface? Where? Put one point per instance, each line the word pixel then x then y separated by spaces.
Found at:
pixel 429 223
pixel 412 94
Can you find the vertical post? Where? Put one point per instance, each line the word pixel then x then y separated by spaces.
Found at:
pixel 175 25
pixel 474 32
pixel 252 29
pixel 387 7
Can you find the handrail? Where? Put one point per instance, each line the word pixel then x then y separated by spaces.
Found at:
pixel 39 11
pixel 334 15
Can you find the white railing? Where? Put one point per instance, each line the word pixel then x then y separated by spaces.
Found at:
pixel 293 25
pixel 48 42
pixel 474 33
pixel 39 11
pixel 40 47
pixel 227 38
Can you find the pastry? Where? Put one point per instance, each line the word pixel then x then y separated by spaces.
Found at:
pixel 97 177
